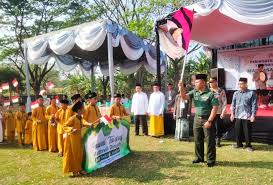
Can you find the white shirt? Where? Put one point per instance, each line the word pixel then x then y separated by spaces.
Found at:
pixel 139 104
pixel 156 103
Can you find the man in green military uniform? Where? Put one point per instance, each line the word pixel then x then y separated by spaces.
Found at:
pixel 206 106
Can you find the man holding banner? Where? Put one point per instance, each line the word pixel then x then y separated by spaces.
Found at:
pixel 206 106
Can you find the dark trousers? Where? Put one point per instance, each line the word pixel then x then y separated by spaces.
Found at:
pixel 143 120
pixel 200 133
pixel 243 127
pixel 218 126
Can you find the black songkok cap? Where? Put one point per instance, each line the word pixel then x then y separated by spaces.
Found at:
pixel 243 80
pixel 64 101
pixel 75 97
pixel 117 95
pixel 77 106
pixel 92 95
pixel 201 77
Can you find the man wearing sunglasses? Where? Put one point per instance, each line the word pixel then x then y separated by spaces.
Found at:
pixel 221 96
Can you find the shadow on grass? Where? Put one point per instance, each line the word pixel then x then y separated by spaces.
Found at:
pixel 14 146
pixel 145 167
pixel 250 164
pixel 263 147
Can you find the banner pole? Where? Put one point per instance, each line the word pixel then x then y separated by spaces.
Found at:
pixel 183 68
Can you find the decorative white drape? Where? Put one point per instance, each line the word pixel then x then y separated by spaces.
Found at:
pixel 90 37
pixel 245 11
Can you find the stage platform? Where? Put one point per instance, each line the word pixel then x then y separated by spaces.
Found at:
pixel 262 130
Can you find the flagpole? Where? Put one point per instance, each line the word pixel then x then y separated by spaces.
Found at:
pixel 183 68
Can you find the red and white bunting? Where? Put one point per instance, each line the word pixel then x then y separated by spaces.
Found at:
pixel 15 82
pixel 15 99
pixel 6 103
pixel 34 105
pixel 5 86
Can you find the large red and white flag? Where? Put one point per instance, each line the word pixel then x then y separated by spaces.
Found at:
pixel 15 82
pixel 6 103
pixel 176 29
pixel 5 86
pixel 49 85
pixel 34 105
pixel 15 99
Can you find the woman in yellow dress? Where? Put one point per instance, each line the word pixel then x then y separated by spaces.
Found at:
pixel 21 118
pixel 9 124
pixel 52 126
pixel 73 149
pixel 60 118
pixel 28 130
pixel 39 132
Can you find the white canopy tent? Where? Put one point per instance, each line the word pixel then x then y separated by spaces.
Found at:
pixel 219 23
pixel 86 46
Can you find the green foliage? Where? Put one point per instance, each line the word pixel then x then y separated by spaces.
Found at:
pixel 7 74
pixel 201 64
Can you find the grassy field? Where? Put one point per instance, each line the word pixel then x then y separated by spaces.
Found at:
pixel 151 162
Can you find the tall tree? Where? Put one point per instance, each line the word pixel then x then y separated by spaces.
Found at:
pixel 22 19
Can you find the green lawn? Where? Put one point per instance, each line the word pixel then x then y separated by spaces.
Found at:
pixel 151 162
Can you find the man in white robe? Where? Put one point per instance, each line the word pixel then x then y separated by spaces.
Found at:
pixel 155 111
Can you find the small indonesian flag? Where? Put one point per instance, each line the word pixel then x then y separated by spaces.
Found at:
pixel 5 86
pixel 106 119
pixel 6 103
pixel 34 105
pixel 1 89
pixel 15 82
pixel 15 99
pixel 49 85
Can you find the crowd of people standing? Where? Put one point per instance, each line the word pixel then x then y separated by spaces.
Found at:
pixel 58 128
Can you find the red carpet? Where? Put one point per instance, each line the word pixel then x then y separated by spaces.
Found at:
pixel 261 112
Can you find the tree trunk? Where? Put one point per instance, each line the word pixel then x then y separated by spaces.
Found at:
pixel 36 89
pixel 104 85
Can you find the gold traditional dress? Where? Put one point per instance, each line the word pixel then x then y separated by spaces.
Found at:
pixel 52 128
pixel 28 132
pixel 21 118
pixel 91 113
pixel 39 129
pixel 9 122
pixel 118 110
pixel 60 118
pixel 73 149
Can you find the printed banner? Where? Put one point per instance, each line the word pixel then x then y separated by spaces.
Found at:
pixel 243 63
pixel 104 145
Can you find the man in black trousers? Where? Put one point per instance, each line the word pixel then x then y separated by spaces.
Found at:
pixel 243 109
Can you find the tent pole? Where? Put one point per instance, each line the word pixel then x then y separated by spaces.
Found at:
pixel 28 109
pixel 92 79
pixel 158 72
pixel 110 58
